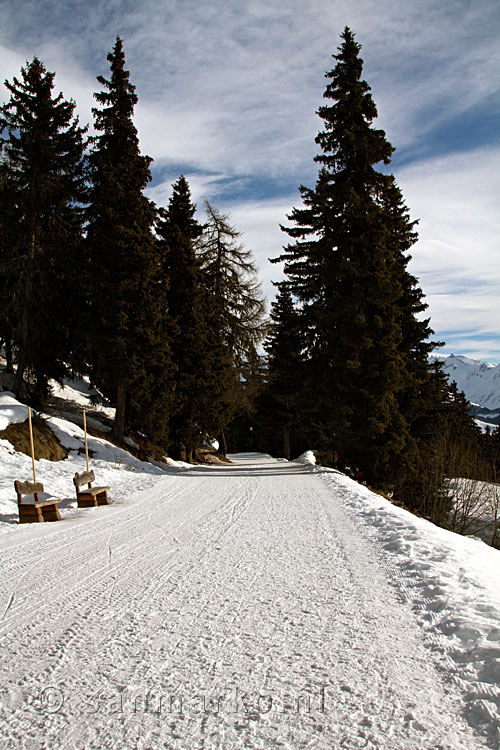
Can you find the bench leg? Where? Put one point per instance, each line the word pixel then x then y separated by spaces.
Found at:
pixel 87 501
pixel 51 513
pixel 30 515
pixel 102 498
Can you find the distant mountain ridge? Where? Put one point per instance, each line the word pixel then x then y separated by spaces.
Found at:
pixel 480 381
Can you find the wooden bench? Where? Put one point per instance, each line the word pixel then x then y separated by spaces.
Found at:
pixel 41 508
pixel 90 496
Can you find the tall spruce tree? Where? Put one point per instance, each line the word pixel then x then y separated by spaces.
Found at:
pixel 126 329
pixel 283 400
pixel 44 183
pixel 347 268
pixel 195 343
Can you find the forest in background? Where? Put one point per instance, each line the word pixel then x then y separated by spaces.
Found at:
pixel 164 313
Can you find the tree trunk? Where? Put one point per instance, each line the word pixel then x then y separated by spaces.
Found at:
pixel 118 431
pixel 222 443
pixel 24 322
pixel 286 443
pixel 18 386
pixel 9 357
pixel 22 337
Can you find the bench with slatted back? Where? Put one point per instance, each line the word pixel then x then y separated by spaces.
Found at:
pixel 89 496
pixel 42 507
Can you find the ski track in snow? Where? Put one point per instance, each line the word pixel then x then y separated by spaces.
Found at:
pixel 238 607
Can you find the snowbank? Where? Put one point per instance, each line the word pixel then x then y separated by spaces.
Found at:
pixel 82 393
pixel 113 466
pixel 453 586
pixel 11 411
pixel 450 582
pixel 306 458
pixel 179 465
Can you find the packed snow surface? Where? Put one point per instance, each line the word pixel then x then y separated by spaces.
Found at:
pixel 255 605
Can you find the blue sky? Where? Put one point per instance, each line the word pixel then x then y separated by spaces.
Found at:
pixel 228 92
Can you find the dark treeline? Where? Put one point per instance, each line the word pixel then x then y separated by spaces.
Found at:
pixel 165 314
pixel 348 370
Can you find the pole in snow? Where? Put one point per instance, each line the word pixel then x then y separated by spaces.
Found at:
pixel 31 444
pixel 86 445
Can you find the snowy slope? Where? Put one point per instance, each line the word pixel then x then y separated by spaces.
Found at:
pixel 112 466
pixel 480 381
pixel 263 604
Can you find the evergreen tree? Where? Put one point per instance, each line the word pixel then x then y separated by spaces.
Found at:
pixel 249 428
pixel 347 267
pixel 235 304
pixel 415 344
pixel 126 321
pixel 195 343
pixel 44 181
pixel 9 263
pixel 491 448
pixel 283 400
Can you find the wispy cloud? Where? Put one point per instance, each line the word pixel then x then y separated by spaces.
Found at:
pixel 235 86
pixel 228 93
pixel 259 221
pixel 202 186
pixel 458 255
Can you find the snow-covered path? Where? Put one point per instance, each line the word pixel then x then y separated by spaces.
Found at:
pixel 235 607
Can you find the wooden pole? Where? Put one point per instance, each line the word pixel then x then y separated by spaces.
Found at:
pixel 86 445
pixel 31 444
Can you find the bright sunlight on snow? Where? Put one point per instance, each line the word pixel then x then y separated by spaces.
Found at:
pixel 259 604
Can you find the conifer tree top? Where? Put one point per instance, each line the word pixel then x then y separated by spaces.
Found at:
pixel 40 134
pixel 116 150
pixel 348 138
pixel 120 98
pixel 181 211
pixel 29 97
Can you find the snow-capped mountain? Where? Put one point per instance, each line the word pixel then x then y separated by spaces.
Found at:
pixel 480 381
